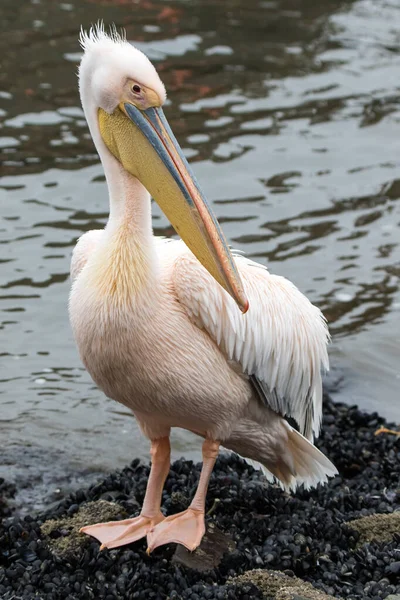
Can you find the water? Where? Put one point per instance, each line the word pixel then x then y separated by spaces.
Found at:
pixel 290 114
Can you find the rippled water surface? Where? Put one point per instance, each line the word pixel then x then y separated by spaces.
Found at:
pixel 290 113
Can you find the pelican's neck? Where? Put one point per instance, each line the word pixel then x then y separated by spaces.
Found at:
pixel 126 265
pixel 130 205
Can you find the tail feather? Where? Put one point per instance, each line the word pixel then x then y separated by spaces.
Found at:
pixel 301 463
pixel 312 466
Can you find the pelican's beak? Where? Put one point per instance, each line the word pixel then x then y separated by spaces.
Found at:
pixel 144 144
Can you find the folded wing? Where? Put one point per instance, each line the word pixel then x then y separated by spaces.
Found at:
pixel 281 342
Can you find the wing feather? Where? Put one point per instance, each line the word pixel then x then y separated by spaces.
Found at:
pixel 281 341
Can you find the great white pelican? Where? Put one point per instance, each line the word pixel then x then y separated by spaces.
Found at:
pixel 184 333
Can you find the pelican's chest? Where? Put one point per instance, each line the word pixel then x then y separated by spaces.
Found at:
pixel 113 302
pixel 116 343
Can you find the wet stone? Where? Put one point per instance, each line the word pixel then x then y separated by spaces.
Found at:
pixel 208 555
pixel 7 492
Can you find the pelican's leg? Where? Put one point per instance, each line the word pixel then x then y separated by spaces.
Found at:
pixel 120 533
pixel 188 527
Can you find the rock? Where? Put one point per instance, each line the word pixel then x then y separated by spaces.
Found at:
pixel 7 492
pixel 62 535
pixel 394 567
pixel 209 554
pixel 380 528
pixel 278 586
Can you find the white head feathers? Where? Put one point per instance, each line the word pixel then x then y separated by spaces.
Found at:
pixel 108 61
pixel 97 34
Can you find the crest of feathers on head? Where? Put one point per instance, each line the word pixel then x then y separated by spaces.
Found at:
pixel 98 34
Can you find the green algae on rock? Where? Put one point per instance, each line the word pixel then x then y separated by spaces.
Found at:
pixel 379 527
pixel 277 586
pixel 63 536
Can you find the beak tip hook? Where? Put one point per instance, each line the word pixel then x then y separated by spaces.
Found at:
pixel 245 307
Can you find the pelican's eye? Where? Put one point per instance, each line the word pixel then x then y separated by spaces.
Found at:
pixel 138 95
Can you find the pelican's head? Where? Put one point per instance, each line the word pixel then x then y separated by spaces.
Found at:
pixel 119 82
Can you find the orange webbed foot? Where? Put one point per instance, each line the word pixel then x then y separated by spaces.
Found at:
pixel 186 528
pixel 119 533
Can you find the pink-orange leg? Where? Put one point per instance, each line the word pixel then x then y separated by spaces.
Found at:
pixel 120 533
pixel 188 527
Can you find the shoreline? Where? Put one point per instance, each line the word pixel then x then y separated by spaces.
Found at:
pixel 319 536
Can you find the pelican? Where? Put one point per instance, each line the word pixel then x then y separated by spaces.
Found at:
pixel 184 332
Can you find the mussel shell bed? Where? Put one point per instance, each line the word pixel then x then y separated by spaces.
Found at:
pixel 304 535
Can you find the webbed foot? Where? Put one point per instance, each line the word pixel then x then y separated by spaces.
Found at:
pixel 186 528
pixel 120 533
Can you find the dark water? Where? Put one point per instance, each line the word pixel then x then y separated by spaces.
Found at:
pixel 290 113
